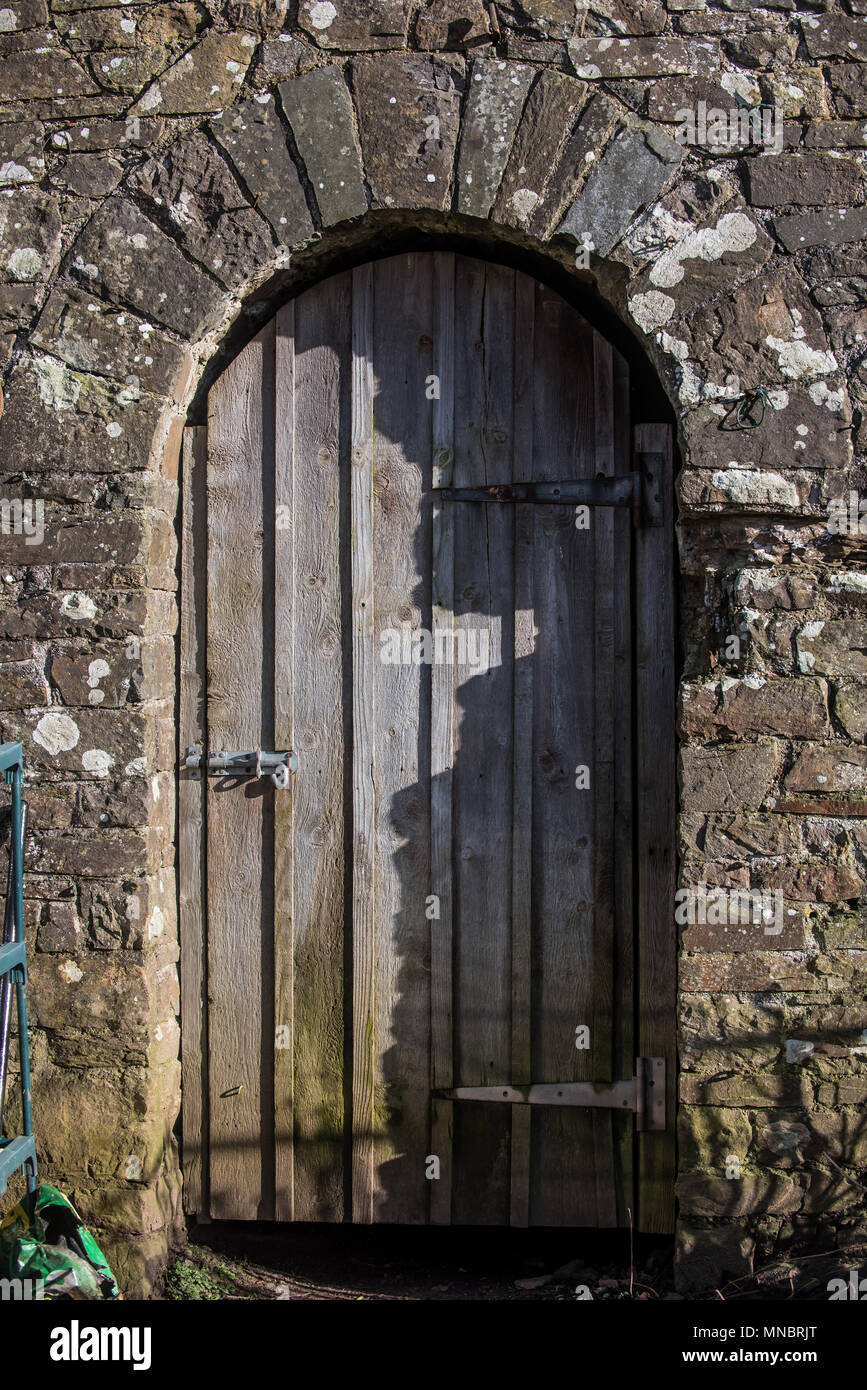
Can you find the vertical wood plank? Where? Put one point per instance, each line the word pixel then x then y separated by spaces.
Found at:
pixel 566 941
pixel 442 739
pixel 241 1158
pixel 321 794
pixel 608 578
pixel 623 866
pixel 402 341
pixel 522 777
pixel 482 778
pixel 364 921
pixel 655 814
pixel 284 734
pixel 192 884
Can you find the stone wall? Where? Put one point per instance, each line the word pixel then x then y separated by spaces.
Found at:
pixel 167 173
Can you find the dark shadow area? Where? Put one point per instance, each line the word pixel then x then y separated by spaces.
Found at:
pixel 402 1263
pixel 384 232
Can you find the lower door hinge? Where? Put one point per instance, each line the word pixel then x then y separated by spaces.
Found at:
pixel 643 1094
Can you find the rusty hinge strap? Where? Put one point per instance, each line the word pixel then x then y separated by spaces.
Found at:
pixel 622 491
pixel 643 1094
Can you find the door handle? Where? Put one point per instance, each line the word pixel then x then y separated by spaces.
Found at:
pixel 254 763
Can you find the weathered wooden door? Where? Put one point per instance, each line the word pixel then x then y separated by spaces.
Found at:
pixel 467 882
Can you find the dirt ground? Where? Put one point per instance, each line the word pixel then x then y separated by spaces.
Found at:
pixel 352 1263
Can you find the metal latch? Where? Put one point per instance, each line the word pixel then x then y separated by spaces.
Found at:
pixel 254 763
pixel 644 1094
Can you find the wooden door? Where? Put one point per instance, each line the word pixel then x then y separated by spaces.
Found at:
pixel 468 881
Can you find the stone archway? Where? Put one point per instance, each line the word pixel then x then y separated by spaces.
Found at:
pixel 195 244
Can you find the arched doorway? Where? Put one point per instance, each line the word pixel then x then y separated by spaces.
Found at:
pixel 417 978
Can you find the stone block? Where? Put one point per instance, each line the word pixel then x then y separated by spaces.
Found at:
pixel 354 25
pixel 552 18
pixel 842 1135
pixel 733 1199
pixel 835 135
pixel 835 36
pixel 29 235
pixel 206 79
pixel 706 1259
pixel 832 769
pixel 453 25
pixel 104 991
pixel 60 929
pixel 319 109
pixel 495 99
pixel 850 709
pixel 93 854
pixel 740 835
pixel 747 972
pixel 43 70
pixel 96 337
pixel 88 175
pixel 633 170
pixel 812 180
pixel 760 1091
pixel 21 158
pixel 22 685
pixel 549 115
pixel 54 415
pixel 409 108
pixel 193 190
pixel 824 227
pixel 708 1135
pixel 754 705
pixel 281 58
pixel 253 136
pixel 128 260
pixel 812 883
pixel 136 132
pixel 609 58
pixel 577 160
pixel 833 647
pixel 735 777
pixel 803 432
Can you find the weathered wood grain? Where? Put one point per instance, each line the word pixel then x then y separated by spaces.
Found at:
pixel 482 775
pixel 321 796
pixel 623 866
pixel 240 415
pixel 442 734
pixel 364 914
pixel 401 355
pixel 565 983
pixel 522 755
pixel 284 620
pixel 192 885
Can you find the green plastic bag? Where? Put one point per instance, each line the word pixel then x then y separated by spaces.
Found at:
pixel 42 1240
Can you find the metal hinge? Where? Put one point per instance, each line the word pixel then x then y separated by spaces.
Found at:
pixel 638 490
pixel 254 763
pixel 622 491
pixel 644 1094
